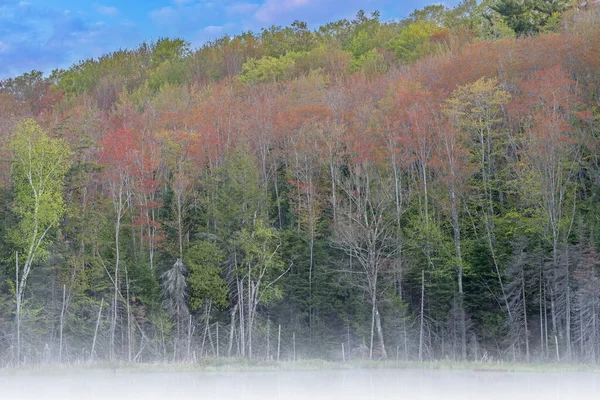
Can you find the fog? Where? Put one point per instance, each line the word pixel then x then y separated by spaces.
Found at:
pixel 334 384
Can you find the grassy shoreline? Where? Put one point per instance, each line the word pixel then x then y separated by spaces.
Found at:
pixel 243 365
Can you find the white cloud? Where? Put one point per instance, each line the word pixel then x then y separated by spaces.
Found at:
pixel 4 47
pixel 108 11
pixel 33 37
pixel 242 8
pixel 270 10
pixel 213 30
pixel 164 16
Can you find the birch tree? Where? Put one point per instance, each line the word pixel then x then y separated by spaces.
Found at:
pixel 40 164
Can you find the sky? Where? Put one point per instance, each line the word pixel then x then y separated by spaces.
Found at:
pixel 49 34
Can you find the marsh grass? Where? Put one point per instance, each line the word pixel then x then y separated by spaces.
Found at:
pixel 231 365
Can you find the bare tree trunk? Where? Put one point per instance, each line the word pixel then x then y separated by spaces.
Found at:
pixel 525 314
pixel 231 330
pixel 333 188
pixel 179 199
pixel 294 345
pixel 421 324
pixel 554 320
pixel 279 212
pixel 62 320
pixel 459 264
pixel 372 329
pixel 96 331
pixel 568 310
pixel 546 323
pixel 189 339
pixel 250 309
pixel 541 300
pixel 278 342
pixel 594 332
pixel 211 342
pixel 242 330
pixel 18 301
pixel 268 339
pixel 113 324
pixel 310 289
pixel 129 326
pixel 380 333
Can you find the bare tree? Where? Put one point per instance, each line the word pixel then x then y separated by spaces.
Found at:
pixel 587 301
pixel 365 231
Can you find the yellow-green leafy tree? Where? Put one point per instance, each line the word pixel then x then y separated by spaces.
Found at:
pixel 39 166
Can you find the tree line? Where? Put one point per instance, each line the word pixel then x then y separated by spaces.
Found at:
pixel 418 189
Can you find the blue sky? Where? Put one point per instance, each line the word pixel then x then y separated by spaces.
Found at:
pixel 46 34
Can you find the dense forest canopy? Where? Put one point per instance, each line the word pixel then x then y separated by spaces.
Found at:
pixel 420 189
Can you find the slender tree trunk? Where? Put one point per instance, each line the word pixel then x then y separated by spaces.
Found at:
pixel 546 323
pixel 541 300
pixel 422 322
pixel 250 308
pixel 62 320
pixel 129 326
pixel 180 221
pixel 231 330
pixel 268 339
pixel 554 321
pixel 568 310
pixel 373 309
pixel 310 288
pixel 459 264
pixel 279 212
pixel 582 334
pixel 380 333
pixel 278 342
pixel 113 325
pixel 242 330
pixel 486 168
pixel 18 316
pixel 92 352
pixel 525 314
pixel 594 332
pixel 333 188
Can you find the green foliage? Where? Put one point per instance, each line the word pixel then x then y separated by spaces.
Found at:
pixel 205 282
pixel 367 34
pixel 263 191
pixel 165 49
pixel 175 293
pixel 24 86
pixel 172 72
pixel 434 14
pixel 297 38
pixel 39 167
pixel 371 63
pixel 268 69
pixel 414 41
pixel 528 17
pixel 240 198
pixel 262 261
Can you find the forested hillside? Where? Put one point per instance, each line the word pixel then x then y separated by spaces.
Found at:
pixel 420 189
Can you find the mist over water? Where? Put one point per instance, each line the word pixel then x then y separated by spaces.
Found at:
pixel 336 384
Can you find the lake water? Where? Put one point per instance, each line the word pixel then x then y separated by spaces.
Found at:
pixel 334 384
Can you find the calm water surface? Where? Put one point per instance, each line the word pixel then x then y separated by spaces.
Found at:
pixel 355 384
